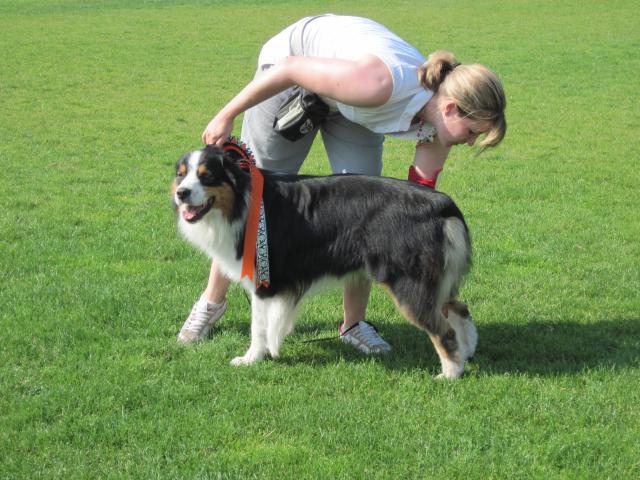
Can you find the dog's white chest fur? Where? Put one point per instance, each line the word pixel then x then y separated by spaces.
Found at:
pixel 217 238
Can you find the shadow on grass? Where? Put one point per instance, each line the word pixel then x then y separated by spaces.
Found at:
pixel 545 347
pixel 558 347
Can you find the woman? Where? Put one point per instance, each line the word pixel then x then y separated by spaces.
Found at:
pixel 375 84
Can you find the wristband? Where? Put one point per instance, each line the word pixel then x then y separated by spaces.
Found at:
pixel 415 177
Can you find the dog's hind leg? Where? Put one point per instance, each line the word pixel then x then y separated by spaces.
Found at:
pixel 443 335
pixel 417 304
pixel 424 298
pixel 281 315
pixel 453 333
pixel 448 348
pixel 258 347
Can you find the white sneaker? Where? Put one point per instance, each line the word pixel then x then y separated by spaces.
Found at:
pixel 203 316
pixel 365 338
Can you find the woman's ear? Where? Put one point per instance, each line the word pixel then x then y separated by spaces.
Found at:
pixel 449 108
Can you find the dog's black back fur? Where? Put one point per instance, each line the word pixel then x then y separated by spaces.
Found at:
pixel 319 237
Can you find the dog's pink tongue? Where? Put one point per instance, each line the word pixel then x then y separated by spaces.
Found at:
pixel 188 214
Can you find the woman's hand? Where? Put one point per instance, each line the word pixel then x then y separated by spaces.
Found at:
pixel 218 130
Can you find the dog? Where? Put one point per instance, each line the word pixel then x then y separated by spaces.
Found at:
pixel 411 240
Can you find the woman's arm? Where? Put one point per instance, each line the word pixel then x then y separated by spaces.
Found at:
pixel 428 162
pixel 363 83
pixel 366 82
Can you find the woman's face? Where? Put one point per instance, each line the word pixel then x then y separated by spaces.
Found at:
pixel 457 129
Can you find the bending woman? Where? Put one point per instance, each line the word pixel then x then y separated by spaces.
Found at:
pixel 375 84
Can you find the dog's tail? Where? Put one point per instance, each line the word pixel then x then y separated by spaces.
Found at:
pixel 457 259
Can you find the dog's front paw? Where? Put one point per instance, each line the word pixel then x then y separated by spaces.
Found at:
pixel 245 360
pixel 238 361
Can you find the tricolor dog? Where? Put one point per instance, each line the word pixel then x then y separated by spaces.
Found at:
pixel 409 239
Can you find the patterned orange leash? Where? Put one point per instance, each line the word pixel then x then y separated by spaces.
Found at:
pixel 255 248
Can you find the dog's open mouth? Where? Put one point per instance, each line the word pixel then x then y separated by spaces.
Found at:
pixel 192 213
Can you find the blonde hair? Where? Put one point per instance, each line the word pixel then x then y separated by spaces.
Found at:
pixel 476 91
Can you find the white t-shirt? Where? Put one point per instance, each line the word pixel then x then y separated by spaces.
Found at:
pixel 350 38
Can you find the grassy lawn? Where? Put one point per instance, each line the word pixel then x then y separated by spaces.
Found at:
pixel 98 98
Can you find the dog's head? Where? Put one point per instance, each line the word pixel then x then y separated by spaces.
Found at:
pixel 206 180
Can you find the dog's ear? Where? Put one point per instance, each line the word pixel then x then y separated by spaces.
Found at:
pixel 238 176
pixel 225 165
pixel 213 153
pixel 232 169
pixel 232 164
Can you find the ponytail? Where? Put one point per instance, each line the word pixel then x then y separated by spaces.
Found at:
pixel 433 72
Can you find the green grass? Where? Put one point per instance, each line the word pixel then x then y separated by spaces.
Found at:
pixel 98 99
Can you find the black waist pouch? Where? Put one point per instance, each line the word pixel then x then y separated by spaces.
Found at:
pixel 300 114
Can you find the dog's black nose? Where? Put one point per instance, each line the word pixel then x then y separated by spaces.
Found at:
pixel 183 193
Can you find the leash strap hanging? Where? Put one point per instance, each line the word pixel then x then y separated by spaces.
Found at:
pixel 256 248
pixel 262 253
